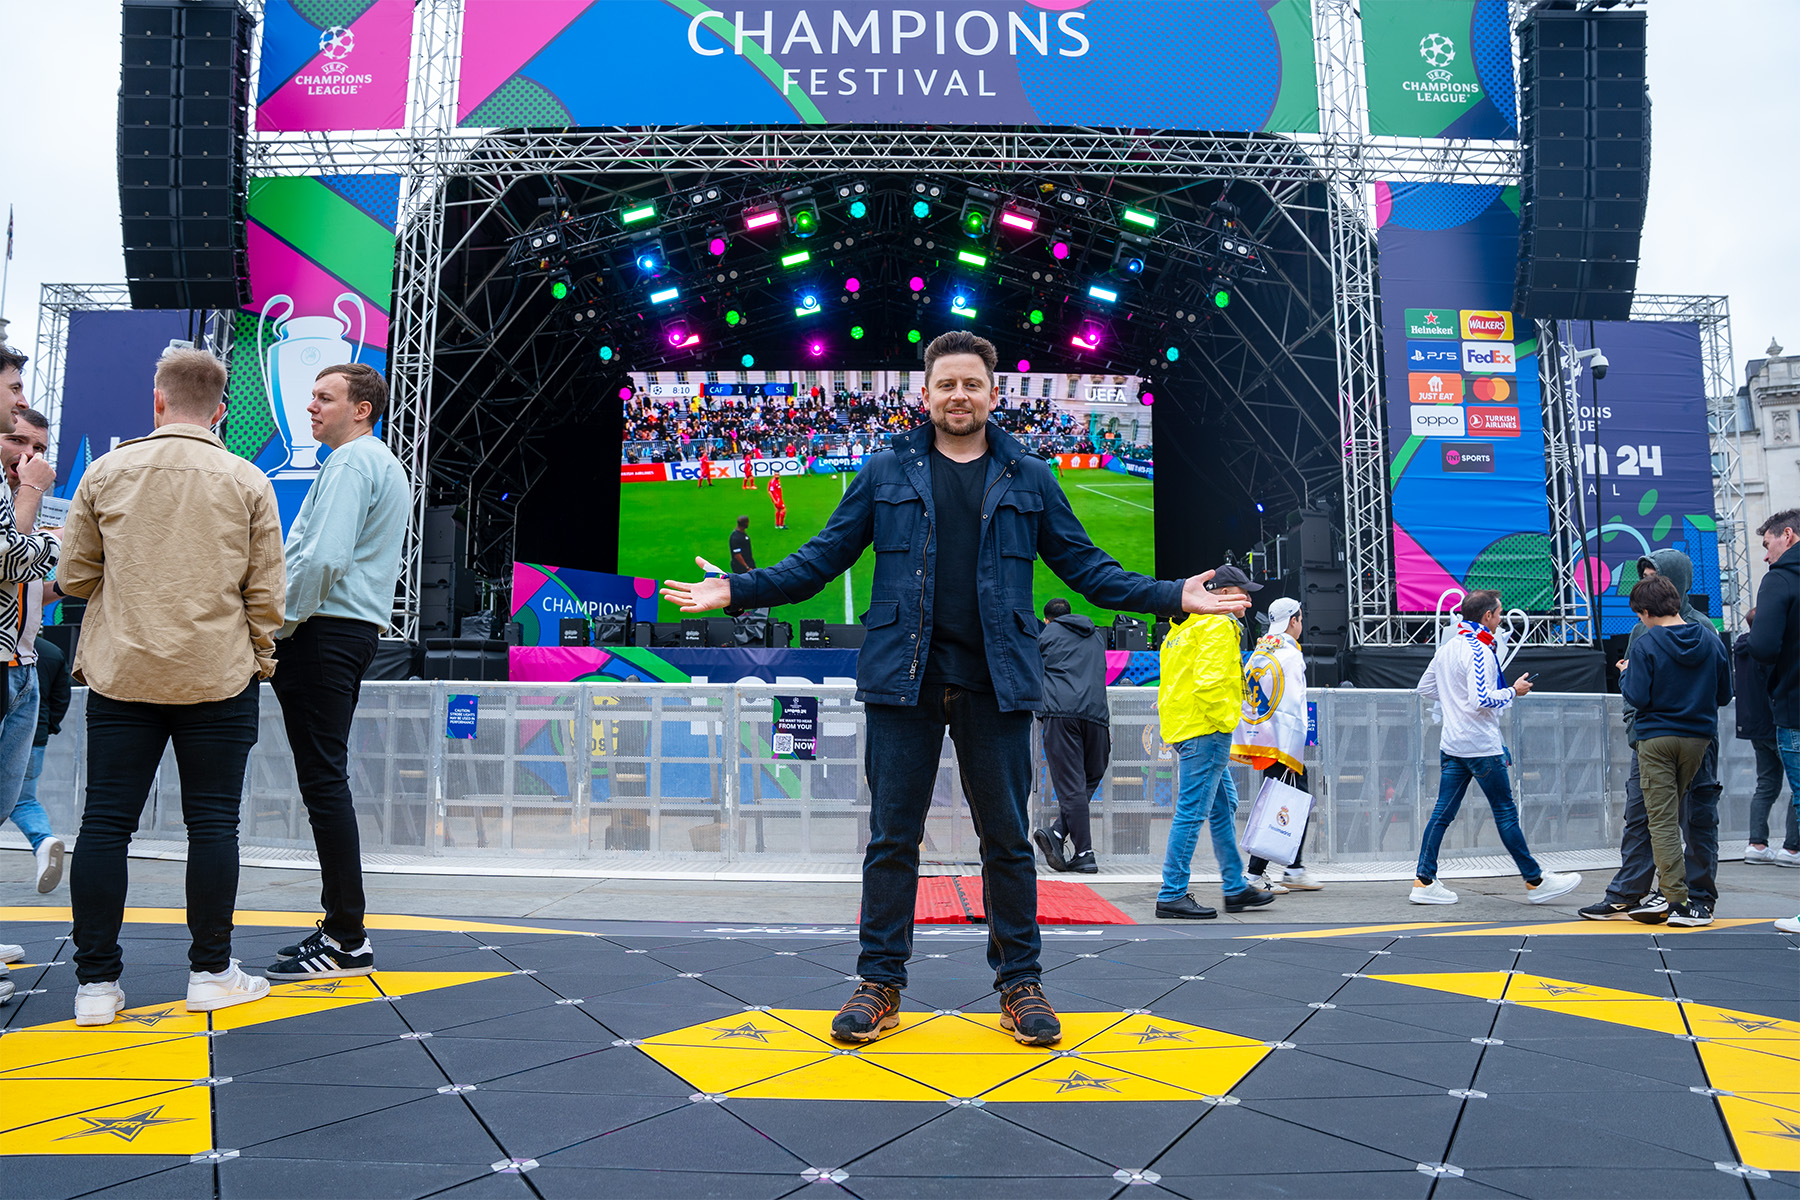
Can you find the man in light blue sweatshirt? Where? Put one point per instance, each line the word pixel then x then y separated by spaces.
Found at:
pixel 343 559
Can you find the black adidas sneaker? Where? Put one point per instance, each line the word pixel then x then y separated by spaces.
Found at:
pixel 318 957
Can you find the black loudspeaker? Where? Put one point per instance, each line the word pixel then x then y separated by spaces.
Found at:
pixel 1159 633
pixel 1310 533
pixel 1584 126
pixel 693 631
pixel 465 658
pixel 781 635
pixel 615 629
pixel 1324 609
pixel 573 631
pixel 184 107
pixel 812 635
pixel 447 588
pixel 1129 633
pixel 668 633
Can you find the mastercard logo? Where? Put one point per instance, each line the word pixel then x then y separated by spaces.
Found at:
pixel 1492 389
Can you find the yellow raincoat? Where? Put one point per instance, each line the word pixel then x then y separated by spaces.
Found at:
pixel 1202 686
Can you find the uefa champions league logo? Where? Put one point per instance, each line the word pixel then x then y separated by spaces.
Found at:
pixel 1434 48
pixel 337 42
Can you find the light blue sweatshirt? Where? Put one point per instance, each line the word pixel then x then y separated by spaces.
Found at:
pixel 343 551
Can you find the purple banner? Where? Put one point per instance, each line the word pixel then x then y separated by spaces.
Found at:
pixel 111 359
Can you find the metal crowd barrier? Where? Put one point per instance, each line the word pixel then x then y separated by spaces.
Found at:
pixel 606 773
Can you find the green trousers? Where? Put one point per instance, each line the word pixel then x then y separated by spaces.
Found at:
pixel 1666 766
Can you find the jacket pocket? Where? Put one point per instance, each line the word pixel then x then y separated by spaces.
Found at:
pixel 881 612
pixel 1018 513
pixel 898 511
pixel 1028 622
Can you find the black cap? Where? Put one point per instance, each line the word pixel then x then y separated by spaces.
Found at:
pixel 1230 576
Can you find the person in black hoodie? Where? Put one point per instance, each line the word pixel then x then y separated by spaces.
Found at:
pixel 1775 642
pixel 1077 732
pixel 1756 725
pixel 1676 680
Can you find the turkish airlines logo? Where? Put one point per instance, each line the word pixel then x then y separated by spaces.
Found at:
pixel 1487 326
pixel 1489 358
pixel 1435 387
pixel 1494 422
pixel 1435 421
pixel 1469 458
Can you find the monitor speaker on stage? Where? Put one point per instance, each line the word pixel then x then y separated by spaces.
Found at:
pixel 1584 130
pixel 693 631
pixel 615 629
pixel 184 110
pixel 812 635
pixel 1129 633
pixel 573 631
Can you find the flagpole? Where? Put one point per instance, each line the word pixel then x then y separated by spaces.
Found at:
pixel 6 272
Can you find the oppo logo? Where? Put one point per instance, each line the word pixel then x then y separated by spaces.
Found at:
pixel 1437 419
pixel 1434 420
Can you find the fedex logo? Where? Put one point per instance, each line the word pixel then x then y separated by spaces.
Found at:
pixel 1432 356
pixel 1489 358
pixel 1487 326
pixel 1493 422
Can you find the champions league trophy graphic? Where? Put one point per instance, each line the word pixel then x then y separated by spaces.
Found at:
pixel 304 346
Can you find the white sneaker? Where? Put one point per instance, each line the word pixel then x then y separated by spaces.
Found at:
pixel 1788 924
pixel 1270 881
pixel 1758 854
pixel 10 952
pixel 6 990
pixel 1300 881
pixel 1787 858
pixel 95 1003
pixel 1432 893
pixel 49 853
pixel 207 992
pixel 1553 885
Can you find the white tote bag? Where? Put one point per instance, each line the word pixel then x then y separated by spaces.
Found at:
pixel 1277 822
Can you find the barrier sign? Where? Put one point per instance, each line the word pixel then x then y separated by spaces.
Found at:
pixel 796 727
pixel 462 717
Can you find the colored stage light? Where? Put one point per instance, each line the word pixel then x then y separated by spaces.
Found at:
pixel 762 218
pixel 816 348
pixel 853 285
pixel 1035 316
pixel 975 223
pixel 916 284
pixel 749 360
pixel 1146 399
pixel 805 219
pixel 650 258
pixel 971 259
pixel 641 212
pixel 625 393
pixel 560 289
pixel 1101 293
pixel 859 209
pixel 606 353
pixel 733 317
pixel 1259 506
pixel 1024 365
pixel 1221 297
pixel 716 245
pixel 795 258
pixel 1142 220
pixel 664 296
pixel 1173 353
pixel 961 308
pixel 809 305
pixel 1132 253
pixel 856 331
pixel 1081 342
pixel 1131 264
pixel 1062 245
pixel 1014 219
pixel 914 336
pixel 921 209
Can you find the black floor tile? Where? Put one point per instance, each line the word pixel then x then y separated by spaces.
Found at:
pixel 833 1134
pixel 1334 1025
pixel 1548 1131
pixel 706 1138
pixel 554 1022
pixel 972 1144
pixel 648 1020
pixel 375 1019
pixel 1518 1025
pixel 1240 1134
pixel 676 995
pixel 1417 1128
pixel 1302 1073
pixel 1277 979
pixel 1463 1019
pixel 1441 1064
pixel 246 1113
pixel 1787 1187
pixel 1339 1185
pixel 1123 1135
pixel 492 1186
pixel 1525 1068
pixel 1595 1183
pixel 478 1060
pixel 774 992
pixel 54 1176
pixel 1649 1055
pixel 258 1176
pixel 601 981
pixel 1082 974
pixel 438 1130
pixel 1213 993
pixel 709 956
pixel 534 1124
pixel 585 1183
pixel 621 1071
pixel 1090 1187
pixel 236 1056
pixel 191 1182
pixel 1638 975
pixel 394 1063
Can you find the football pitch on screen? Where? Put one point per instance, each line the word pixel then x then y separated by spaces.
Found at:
pixel 662 526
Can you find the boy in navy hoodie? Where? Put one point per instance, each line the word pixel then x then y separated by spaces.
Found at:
pixel 1676 679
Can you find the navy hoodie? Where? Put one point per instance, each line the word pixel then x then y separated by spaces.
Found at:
pixel 1677 679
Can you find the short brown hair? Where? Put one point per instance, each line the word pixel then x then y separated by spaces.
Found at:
pixel 34 418
pixel 192 382
pixel 366 387
pixel 1477 605
pixel 1655 597
pixel 12 358
pixel 1787 518
pixel 961 341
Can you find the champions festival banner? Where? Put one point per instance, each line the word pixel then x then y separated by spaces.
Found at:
pixel 321 289
pixel 1646 460
pixel 1230 65
pixel 333 64
pixel 682 664
pixel 1465 424
pixel 1439 68
pixel 543 597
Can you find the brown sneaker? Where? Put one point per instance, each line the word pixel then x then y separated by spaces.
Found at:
pixel 871 1010
pixel 1026 1015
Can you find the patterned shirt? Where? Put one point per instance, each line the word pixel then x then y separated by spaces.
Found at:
pixel 23 557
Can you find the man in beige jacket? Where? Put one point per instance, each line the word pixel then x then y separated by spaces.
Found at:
pixel 175 542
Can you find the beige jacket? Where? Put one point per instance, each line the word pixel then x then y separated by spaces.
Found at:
pixel 176 544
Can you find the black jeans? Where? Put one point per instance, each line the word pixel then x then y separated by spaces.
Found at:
pixel 318 679
pixel 1769 774
pixel 125 743
pixel 1077 751
pixel 900 759
pixel 1699 837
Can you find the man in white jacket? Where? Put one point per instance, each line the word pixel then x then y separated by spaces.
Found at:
pixel 1272 734
pixel 1466 680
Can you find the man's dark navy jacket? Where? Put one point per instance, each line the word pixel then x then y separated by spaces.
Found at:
pixel 1024 517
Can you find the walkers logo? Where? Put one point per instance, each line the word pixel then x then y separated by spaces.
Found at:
pixel 1433 420
pixel 1490 389
pixel 1432 356
pixel 1469 458
pixel 1494 422
pixel 1489 358
pixel 1435 387
pixel 1487 326
pixel 1431 323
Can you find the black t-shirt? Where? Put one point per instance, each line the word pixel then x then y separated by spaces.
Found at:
pixel 740 544
pixel 958 655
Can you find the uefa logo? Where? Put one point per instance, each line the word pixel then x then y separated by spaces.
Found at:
pixel 336 43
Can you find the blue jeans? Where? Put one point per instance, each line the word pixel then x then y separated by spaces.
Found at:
pixel 28 814
pixel 1787 744
pixel 1208 796
pixel 900 758
pixel 1453 781
pixel 17 731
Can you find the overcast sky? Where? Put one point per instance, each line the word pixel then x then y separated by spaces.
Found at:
pixel 1725 183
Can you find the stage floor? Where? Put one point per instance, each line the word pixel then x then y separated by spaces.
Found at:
pixel 506 1058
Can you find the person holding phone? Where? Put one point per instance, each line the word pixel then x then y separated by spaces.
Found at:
pixel 1466 679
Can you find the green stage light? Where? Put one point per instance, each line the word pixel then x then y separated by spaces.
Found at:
pixel 805 221
pixel 859 209
pixel 734 317
pixel 1036 316
pixel 749 360
pixel 972 259
pixel 606 354
pixel 1173 353
pixel 559 289
pixel 921 209
pixel 974 223
pixel 856 331
pixel 1142 220
pixel 913 335
pixel 1221 297
pixel 641 212
pixel 796 258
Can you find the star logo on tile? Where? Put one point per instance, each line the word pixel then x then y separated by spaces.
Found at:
pixel 1153 1034
pixel 151 1019
pixel 1431 318
pixel 1079 1082
pixel 123 1128
pixel 1789 1131
pixel 329 987
pixel 1748 1026
pixel 1562 989
pixel 745 1032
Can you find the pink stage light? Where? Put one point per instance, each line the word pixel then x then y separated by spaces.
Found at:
pixel 853 284
pixel 816 348
pixel 916 284
pixel 716 247
pixel 1147 399
pixel 1017 220
pixel 624 393
pixel 1088 341
pixel 761 220
pixel 1059 250
pixel 1024 366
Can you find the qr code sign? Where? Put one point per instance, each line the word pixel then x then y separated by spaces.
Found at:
pixel 784 743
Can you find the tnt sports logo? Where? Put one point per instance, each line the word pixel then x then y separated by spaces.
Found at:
pixel 1469 458
pixel 1435 387
pixel 1281 816
pixel 1487 326
pixel 337 42
pixel 1494 422
pixel 1489 358
pixel 1436 421
pixel 1437 49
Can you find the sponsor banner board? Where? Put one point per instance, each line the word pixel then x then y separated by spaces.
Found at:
pixel 1494 422
pixel 339 65
pixel 643 473
pixel 1437 387
pixel 733 468
pixel 1489 358
pixel 1432 323
pixel 1082 462
pixel 1238 65
pixel 543 596
pixel 1476 458
pixel 1487 326
pixel 1433 356
pixel 1439 68
pixel 1492 389
pixel 1438 420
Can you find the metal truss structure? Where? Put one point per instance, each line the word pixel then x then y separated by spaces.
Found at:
pixel 55 302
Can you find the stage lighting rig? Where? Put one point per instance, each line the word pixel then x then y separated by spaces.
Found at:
pixel 762 216
pixel 925 195
pixel 561 283
pixel 1062 245
pixel 1139 219
pixel 633 215
pixel 648 255
pixel 854 196
pixel 699 196
pixel 1074 199
pixel 718 240
pixel 978 210
pixel 802 212
pixel 1132 254
pixel 1019 218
